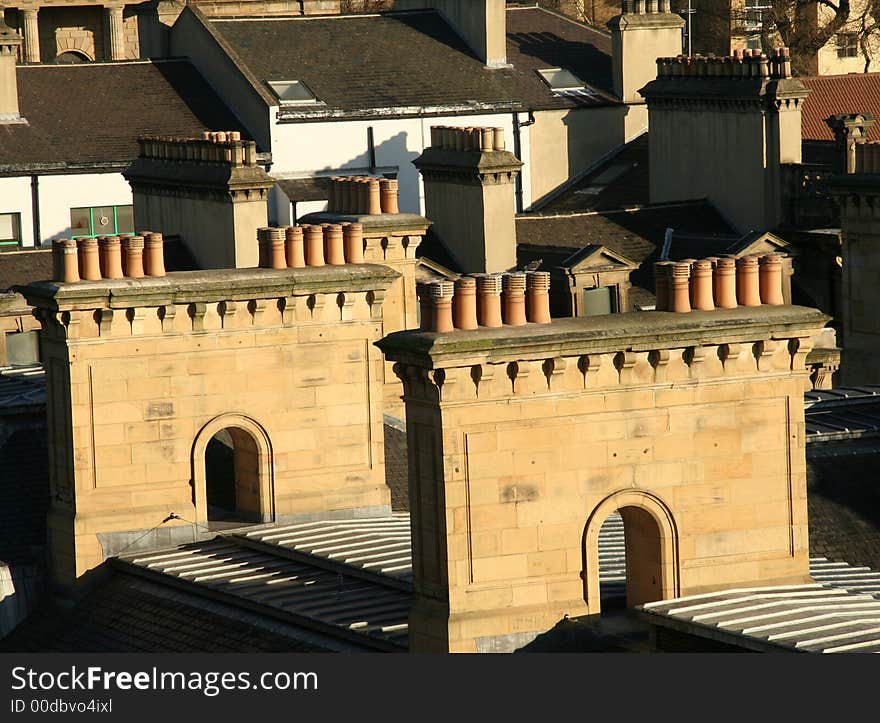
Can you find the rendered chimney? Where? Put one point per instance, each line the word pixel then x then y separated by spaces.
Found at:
pixel 293 247
pixel 334 251
pixel 679 274
pixel 538 297
pixel 464 303
pixel 111 253
pixel 460 175
pixel 133 256
pixel 747 282
pixel 770 279
pixel 513 308
pixel 353 242
pixel 489 300
pixel 10 42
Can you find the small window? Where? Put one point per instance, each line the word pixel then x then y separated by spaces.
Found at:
pixel 561 79
pixel 600 300
pixel 22 348
pixel 10 230
pixel 101 221
pixel 753 42
pixel 292 92
pixel 847 45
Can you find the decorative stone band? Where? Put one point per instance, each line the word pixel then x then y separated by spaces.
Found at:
pixel 742 64
pixel 295 247
pixel 718 283
pixel 868 157
pixel 363 195
pixel 216 147
pixel 108 257
pixel 471 138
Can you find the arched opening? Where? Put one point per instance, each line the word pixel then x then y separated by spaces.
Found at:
pixel 232 477
pixel 69 57
pixel 631 553
pixel 232 473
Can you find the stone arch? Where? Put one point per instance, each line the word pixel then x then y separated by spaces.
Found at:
pixel 639 509
pixel 69 57
pixel 75 40
pixel 248 429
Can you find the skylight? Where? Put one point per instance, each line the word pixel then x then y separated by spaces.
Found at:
pixel 561 79
pixel 292 92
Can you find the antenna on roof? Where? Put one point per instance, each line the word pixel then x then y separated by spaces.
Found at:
pixel 667 242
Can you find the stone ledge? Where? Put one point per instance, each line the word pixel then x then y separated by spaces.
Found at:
pixel 184 287
pixel 637 331
pixel 383 224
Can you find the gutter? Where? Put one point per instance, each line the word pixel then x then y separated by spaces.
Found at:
pixel 35 209
pixel 517 151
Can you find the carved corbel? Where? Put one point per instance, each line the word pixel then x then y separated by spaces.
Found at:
pixel 553 368
pixel 589 365
pixel 197 313
pixel 694 356
pixel 287 307
pixel 166 316
pixel 226 310
pixel 517 372
pixel 799 348
pixel 315 304
pixel 624 361
pixel 104 320
pixel 345 302
pixel 375 299
pixel 135 318
pixel 763 352
pixel 480 374
pixel 659 360
pixel 730 354
pixel 256 308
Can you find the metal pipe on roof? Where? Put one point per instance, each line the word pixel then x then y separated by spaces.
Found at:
pixel 35 208
pixel 517 151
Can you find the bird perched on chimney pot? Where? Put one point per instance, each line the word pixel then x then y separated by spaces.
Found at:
pixel 533 265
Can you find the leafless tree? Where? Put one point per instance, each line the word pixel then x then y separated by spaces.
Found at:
pixel 801 25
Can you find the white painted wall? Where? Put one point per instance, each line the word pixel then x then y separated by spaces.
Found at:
pixel 15 197
pixel 326 148
pixel 58 194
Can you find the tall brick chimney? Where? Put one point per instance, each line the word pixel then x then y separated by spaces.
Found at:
pixel 482 24
pixel 469 196
pixel 9 44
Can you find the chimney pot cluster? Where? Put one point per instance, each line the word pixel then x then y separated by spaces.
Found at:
pixel 487 300
pixel 295 247
pixel 718 283
pixel 452 138
pixel 224 147
pixel 742 64
pixel 868 157
pixel 363 195
pixel 108 257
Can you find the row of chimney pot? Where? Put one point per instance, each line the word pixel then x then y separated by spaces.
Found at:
pixel 225 147
pixel 642 7
pixel 742 64
pixel 723 282
pixel 108 257
pixel 363 195
pixel 868 157
pixel 295 247
pixel 453 138
pixel 487 300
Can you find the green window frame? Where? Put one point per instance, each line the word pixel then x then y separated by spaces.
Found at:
pixel 10 222
pixel 101 221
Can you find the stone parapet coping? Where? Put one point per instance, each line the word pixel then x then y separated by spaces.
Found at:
pixel 473 160
pixel 708 88
pixel 637 331
pixel 383 224
pixel 183 287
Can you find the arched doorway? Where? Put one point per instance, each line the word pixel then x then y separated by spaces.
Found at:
pixel 644 568
pixel 70 57
pixel 232 472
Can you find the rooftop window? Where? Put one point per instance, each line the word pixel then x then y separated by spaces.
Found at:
pixel 292 92
pixel 561 79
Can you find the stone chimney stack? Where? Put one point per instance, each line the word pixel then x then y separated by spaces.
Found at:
pixel 644 31
pixel 469 195
pixel 9 44
pixel 722 128
pixel 850 130
pixel 482 24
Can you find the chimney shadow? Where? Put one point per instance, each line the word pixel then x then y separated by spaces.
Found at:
pixel 585 60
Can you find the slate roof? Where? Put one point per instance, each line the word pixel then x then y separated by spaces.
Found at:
pixel 25 266
pixel 89 115
pixel 833 94
pixel 414 62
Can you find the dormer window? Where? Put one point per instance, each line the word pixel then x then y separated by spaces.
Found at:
pixel 565 83
pixel 292 92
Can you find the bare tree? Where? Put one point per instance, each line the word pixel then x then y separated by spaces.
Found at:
pixel 364 6
pixel 800 25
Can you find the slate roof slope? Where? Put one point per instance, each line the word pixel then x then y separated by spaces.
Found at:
pixel 89 115
pixel 833 94
pixel 413 62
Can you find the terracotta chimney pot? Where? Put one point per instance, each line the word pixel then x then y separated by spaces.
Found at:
pixel 724 283
pixel 464 303
pixel 112 253
pixel 353 243
pixel 293 247
pixel 275 239
pixel 66 260
pixel 441 293
pixel 487 139
pixel 661 285
pixel 374 199
pixel 538 297
pixel 770 279
pixel 701 286
pixel 263 261
pixel 313 245
pixel 388 188
pixel 334 252
pixel 426 308
pixel 133 256
pixel 514 302
pixel 89 266
pixel 489 288
pixel 154 254
pixel 679 274
pixel 498 141
pixel 748 287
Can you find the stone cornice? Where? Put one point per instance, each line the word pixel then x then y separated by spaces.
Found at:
pixel 384 224
pixel 613 333
pixel 474 167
